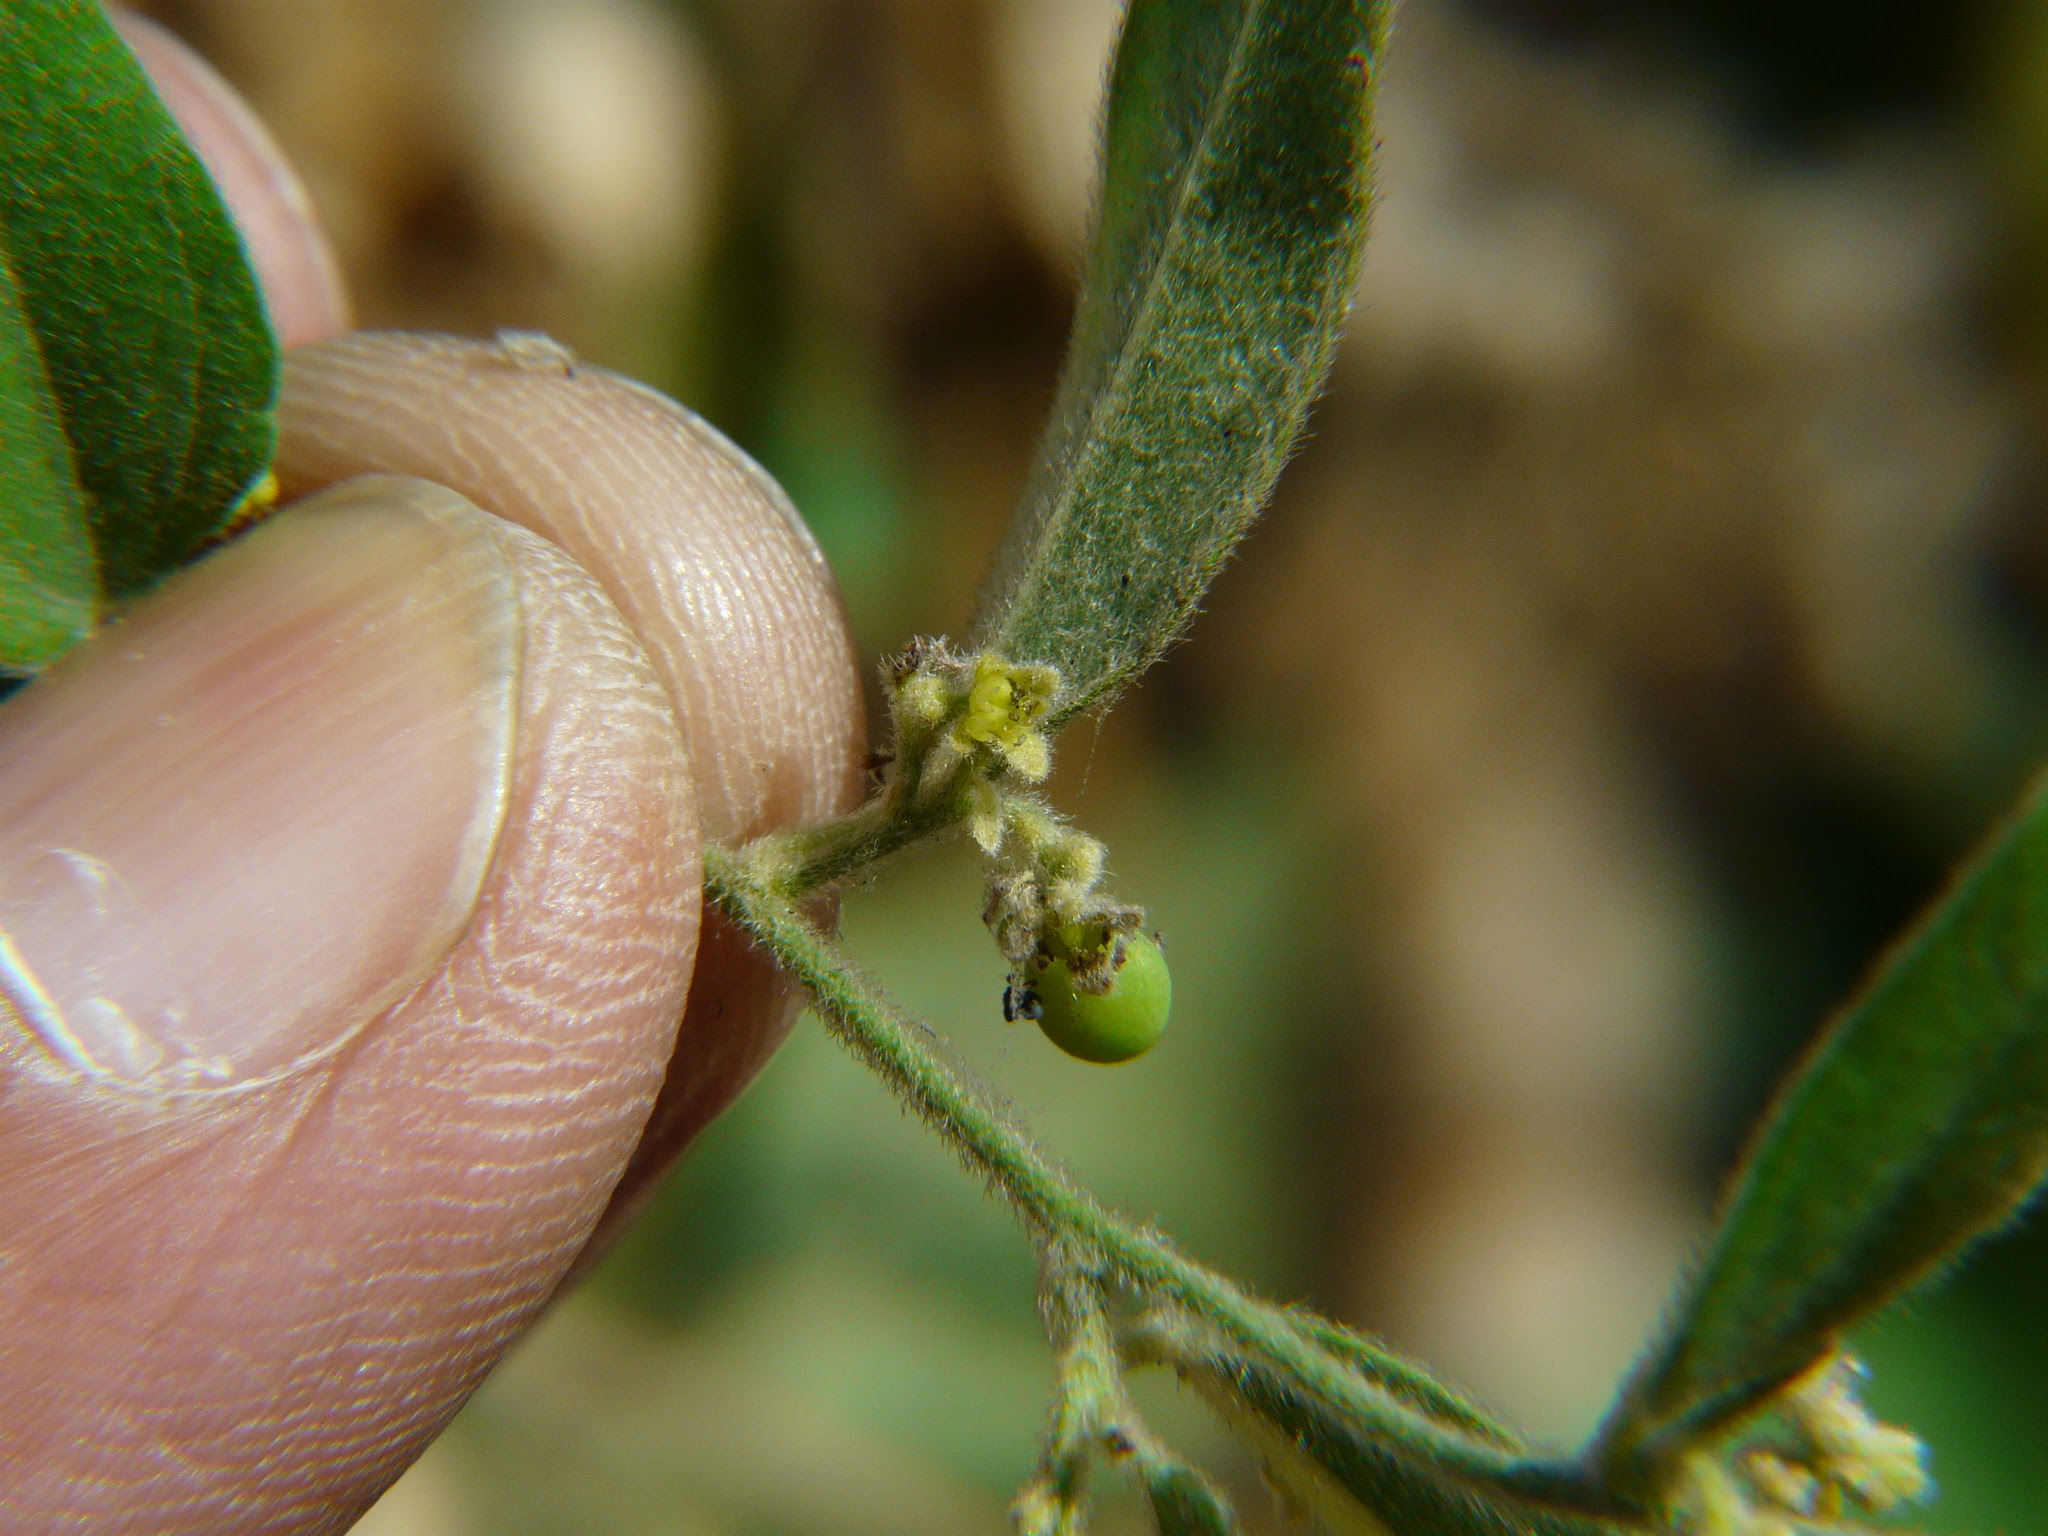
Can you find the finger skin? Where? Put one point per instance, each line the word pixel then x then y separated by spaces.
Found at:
pixel 250 1315
pixel 302 286
pixel 710 565
pixel 245 1312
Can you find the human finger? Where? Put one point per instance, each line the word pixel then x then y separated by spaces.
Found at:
pixel 349 892
pixel 712 568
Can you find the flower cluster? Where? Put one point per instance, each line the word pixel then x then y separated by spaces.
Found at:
pixel 969 736
pixel 977 716
pixel 1820 1459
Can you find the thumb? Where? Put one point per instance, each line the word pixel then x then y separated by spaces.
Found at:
pixel 347 906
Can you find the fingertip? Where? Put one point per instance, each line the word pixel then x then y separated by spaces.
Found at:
pixel 704 555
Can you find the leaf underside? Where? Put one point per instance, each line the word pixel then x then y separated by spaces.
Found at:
pixel 1919 1123
pixel 1317 1450
pixel 138 370
pixel 1232 213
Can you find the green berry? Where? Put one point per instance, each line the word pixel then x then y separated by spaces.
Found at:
pixel 1124 1022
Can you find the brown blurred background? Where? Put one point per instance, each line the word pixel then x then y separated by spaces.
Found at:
pixel 1660 605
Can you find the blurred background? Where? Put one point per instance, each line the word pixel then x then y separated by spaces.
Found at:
pixel 1658 609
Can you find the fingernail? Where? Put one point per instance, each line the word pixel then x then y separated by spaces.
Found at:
pixel 245 819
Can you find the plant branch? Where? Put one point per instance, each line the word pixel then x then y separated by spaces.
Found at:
pixel 1384 1395
pixel 798 863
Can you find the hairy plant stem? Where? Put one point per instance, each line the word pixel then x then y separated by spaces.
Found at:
pixel 1384 1394
pixel 1090 1412
pixel 796 864
pixel 919 799
pixel 1093 1417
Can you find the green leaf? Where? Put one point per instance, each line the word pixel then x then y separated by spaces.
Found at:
pixel 1919 1123
pixel 138 371
pixel 1356 1477
pixel 1232 214
pixel 47 580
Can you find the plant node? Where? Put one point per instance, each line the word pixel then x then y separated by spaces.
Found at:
pixel 1093 1418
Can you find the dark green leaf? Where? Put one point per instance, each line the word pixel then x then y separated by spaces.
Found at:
pixel 1232 215
pixel 1338 1466
pixel 1919 1123
pixel 47 581
pixel 138 367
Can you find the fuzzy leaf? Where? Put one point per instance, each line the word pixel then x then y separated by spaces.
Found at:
pixel 1232 213
pixel 1919 1123
pixel 1356 1478
pixel 138 372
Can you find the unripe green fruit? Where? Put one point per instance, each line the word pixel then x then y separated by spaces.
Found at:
pixel 1124 1022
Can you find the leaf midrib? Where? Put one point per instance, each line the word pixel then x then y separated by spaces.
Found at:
pixel 1109 393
